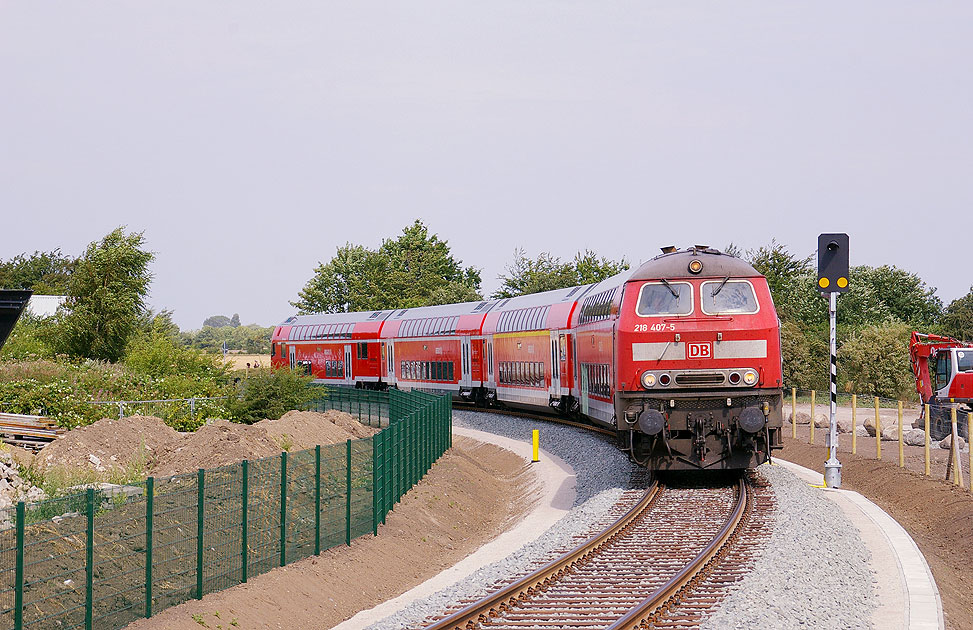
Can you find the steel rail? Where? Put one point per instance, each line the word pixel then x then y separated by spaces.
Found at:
pixel 651 608
pixel 497 603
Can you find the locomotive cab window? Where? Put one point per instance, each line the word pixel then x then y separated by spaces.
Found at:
pixel 729 297
pixel 964 361
pixel 674 298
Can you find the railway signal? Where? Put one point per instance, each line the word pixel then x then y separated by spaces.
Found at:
pixel 832 280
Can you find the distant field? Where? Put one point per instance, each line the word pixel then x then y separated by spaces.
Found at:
pixel 239 361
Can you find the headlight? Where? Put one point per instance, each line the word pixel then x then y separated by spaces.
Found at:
pixel 695 267
pixel 750 377
pixel 648 380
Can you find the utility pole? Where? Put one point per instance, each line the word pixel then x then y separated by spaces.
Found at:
pixel 832 280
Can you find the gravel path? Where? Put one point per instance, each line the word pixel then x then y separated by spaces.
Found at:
pixel 813 572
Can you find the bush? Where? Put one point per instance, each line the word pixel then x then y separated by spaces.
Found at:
pixel 876 360
pixel 270 393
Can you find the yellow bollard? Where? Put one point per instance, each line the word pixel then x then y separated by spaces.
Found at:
pixel 878 432
pixel 901 443
pixel 969 432
pixel 926 446
pixel 794 413
pixel 537 445
pixel 954 448
pixel 812 417
pixel 854 423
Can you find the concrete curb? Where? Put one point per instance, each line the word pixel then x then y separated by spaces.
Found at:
pixel 914 601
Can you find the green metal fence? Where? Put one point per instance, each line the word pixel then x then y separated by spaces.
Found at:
pixel 106 557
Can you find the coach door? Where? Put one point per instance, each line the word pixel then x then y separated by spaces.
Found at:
pixel 555 389
pixel 292 354
pixel 348 371
pixel 465 360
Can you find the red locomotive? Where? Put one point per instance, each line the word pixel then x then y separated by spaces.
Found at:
pixel 681 356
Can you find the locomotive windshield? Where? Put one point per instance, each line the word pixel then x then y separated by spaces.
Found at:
pixel 670 298
pixel 728 297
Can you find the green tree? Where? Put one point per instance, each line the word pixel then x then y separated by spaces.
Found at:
pixel 957 320
pixel 269 393
pixel 906 297
pixel 106 297
pixel 46 273
pixel 415 269
pixel 876 361
pixel 546 272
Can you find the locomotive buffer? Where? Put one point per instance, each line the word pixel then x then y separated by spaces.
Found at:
pixel 832 280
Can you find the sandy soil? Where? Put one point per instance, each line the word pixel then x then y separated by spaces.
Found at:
pixel 475 492
pixel 239 361
pixel 937 514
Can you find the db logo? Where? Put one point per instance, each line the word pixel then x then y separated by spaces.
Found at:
pixel 700 351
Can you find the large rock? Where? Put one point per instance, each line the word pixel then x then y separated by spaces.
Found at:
pixel 869 425
pixel 890 433
pixel 823 421
pixel 947 442
pixel 802 418
pixel 862 432
pixel 915 437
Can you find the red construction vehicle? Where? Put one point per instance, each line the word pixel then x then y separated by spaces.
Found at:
pixel 949 385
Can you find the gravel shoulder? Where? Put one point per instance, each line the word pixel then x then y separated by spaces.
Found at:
pixel 938 516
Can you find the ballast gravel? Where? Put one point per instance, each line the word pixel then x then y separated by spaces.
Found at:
pixel 813 572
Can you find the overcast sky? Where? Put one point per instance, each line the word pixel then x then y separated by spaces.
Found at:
pixel 249 139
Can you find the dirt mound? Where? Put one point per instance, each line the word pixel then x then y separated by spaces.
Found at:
pixel 299 430
pixel 109 445
pixel 213 445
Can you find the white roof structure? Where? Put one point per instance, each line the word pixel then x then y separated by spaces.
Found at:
pixel 45 305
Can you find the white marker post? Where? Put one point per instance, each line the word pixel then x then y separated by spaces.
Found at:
pixel 832 467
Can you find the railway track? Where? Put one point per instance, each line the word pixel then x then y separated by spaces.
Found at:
pixel 664 561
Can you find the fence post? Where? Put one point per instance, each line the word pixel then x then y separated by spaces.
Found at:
pixel 200 529
pixel 89 559
pixel 19 585
pixel 925 447
pixel 244 520
pixel 812 417
pixel 878 432
pixel 317 499
pixel 149 509
pixel 375 478
pixel 283 508
pixel 901 443
pixel 348 493
pixel 854 424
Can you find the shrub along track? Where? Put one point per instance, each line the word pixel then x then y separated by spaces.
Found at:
pixel 665 560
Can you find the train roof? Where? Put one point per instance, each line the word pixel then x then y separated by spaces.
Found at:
pixel 675 264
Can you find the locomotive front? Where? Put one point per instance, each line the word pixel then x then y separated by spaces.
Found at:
pixel 699 364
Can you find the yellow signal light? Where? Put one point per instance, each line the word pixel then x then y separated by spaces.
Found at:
pixel 823 283
pixel 842 282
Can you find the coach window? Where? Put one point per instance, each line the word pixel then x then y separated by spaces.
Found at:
pixel 673 298
pixel 732 297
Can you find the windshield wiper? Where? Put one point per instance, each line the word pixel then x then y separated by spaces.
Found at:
pixel 669 286
pixel 720 288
